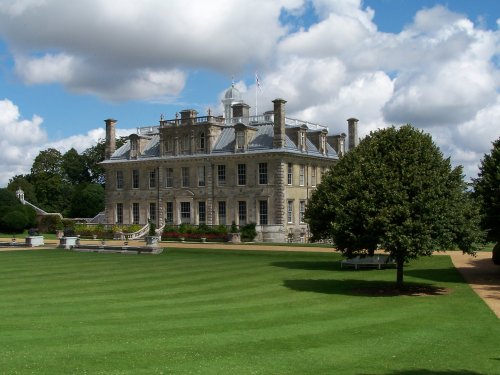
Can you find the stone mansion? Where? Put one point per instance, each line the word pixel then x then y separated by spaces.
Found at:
pixel 221 169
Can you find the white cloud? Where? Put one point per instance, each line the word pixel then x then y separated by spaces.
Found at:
pixel 46 69
pixel 113 43
pixel 439 73
pixel 19 139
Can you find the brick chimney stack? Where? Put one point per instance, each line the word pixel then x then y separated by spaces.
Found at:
pixel 279 123
pixel 110 138
pixel 352 132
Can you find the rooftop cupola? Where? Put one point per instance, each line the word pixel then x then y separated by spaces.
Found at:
pixel 231 97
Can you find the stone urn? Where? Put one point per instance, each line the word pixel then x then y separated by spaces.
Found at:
pixel 152 241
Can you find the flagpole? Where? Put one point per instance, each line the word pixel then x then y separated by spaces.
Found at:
pixel 256 89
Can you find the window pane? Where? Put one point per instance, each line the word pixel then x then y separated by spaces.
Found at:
pixel 242 212
pixel 152 212
pixel 152 178
pixel 240 140
pixel 201 175
pixel 135 179
pixel 290 174
pixel 302 211
pixel 202 212
pixel 222 213
pixel 185 212
pixel 201 144
pixel 135 213
pixel 290 212
pixel 119 179
pixel 169 215
pixel 263 173
pixel 185 177
pixel 263 212
pixel 119 213
pixel 221 174
pixel 242 174
pixel 169 177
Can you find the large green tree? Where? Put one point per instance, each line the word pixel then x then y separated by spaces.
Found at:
pixel 395 191
pixel 75 168
pixel 53 191
pixel 48 162
pixel 23 182
pixel 94 155
pixel 487 190
pixel 14 217
pixel 87 200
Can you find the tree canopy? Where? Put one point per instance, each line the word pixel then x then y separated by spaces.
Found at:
pixel 66 183
pixel 397 192
pixel 487 190
pixel 14 217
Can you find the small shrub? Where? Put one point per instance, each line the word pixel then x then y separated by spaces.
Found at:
pixel 14 221
pixel 248 232
pixel 152 229
pixel 50 223
pixel 234 228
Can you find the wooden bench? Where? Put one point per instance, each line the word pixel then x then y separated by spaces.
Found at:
pixel 122 249
pixel 377 260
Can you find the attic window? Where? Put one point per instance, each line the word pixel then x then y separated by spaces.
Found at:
pixel 133 148
pixel 240 140
pixel 302 140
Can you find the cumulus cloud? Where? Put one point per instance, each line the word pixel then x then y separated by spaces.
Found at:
pixel 440 72
pixel 137 50
pixel 18 140
pixel 22 139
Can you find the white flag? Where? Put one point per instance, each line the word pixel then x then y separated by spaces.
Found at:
pixel 257 82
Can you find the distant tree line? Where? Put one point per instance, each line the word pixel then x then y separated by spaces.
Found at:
pixel 70 183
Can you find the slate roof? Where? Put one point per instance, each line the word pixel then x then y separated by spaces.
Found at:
pixel 225 144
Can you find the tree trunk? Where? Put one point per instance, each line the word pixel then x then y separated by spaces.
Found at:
pixel 399 273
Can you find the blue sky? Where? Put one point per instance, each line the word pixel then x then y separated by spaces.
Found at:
pixel 67 66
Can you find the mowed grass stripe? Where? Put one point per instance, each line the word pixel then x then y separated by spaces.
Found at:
pixel 223 312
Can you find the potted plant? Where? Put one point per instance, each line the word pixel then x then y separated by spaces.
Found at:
pixel 234 235
pixel 152 238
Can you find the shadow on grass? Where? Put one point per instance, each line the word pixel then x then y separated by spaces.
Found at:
pixel 433 372
pixel 448 275
pixel 312 266
pixel 363 288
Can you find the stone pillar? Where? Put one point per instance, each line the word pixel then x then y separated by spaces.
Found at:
pixel 338 143
pixel 279 123
pixel 279 183
pixel 110 138
pixel 352 124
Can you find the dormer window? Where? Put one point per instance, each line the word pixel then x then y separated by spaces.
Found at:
pixel 243 136
pixel 134 147
pixel 240 140
pixel 302 140
pixel 168 145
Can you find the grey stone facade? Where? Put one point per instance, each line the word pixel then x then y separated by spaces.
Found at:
pixel 214 170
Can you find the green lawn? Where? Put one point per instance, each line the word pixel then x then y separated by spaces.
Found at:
pixel 229 312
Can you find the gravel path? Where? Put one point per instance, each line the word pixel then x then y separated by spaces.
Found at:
pixel 482 275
